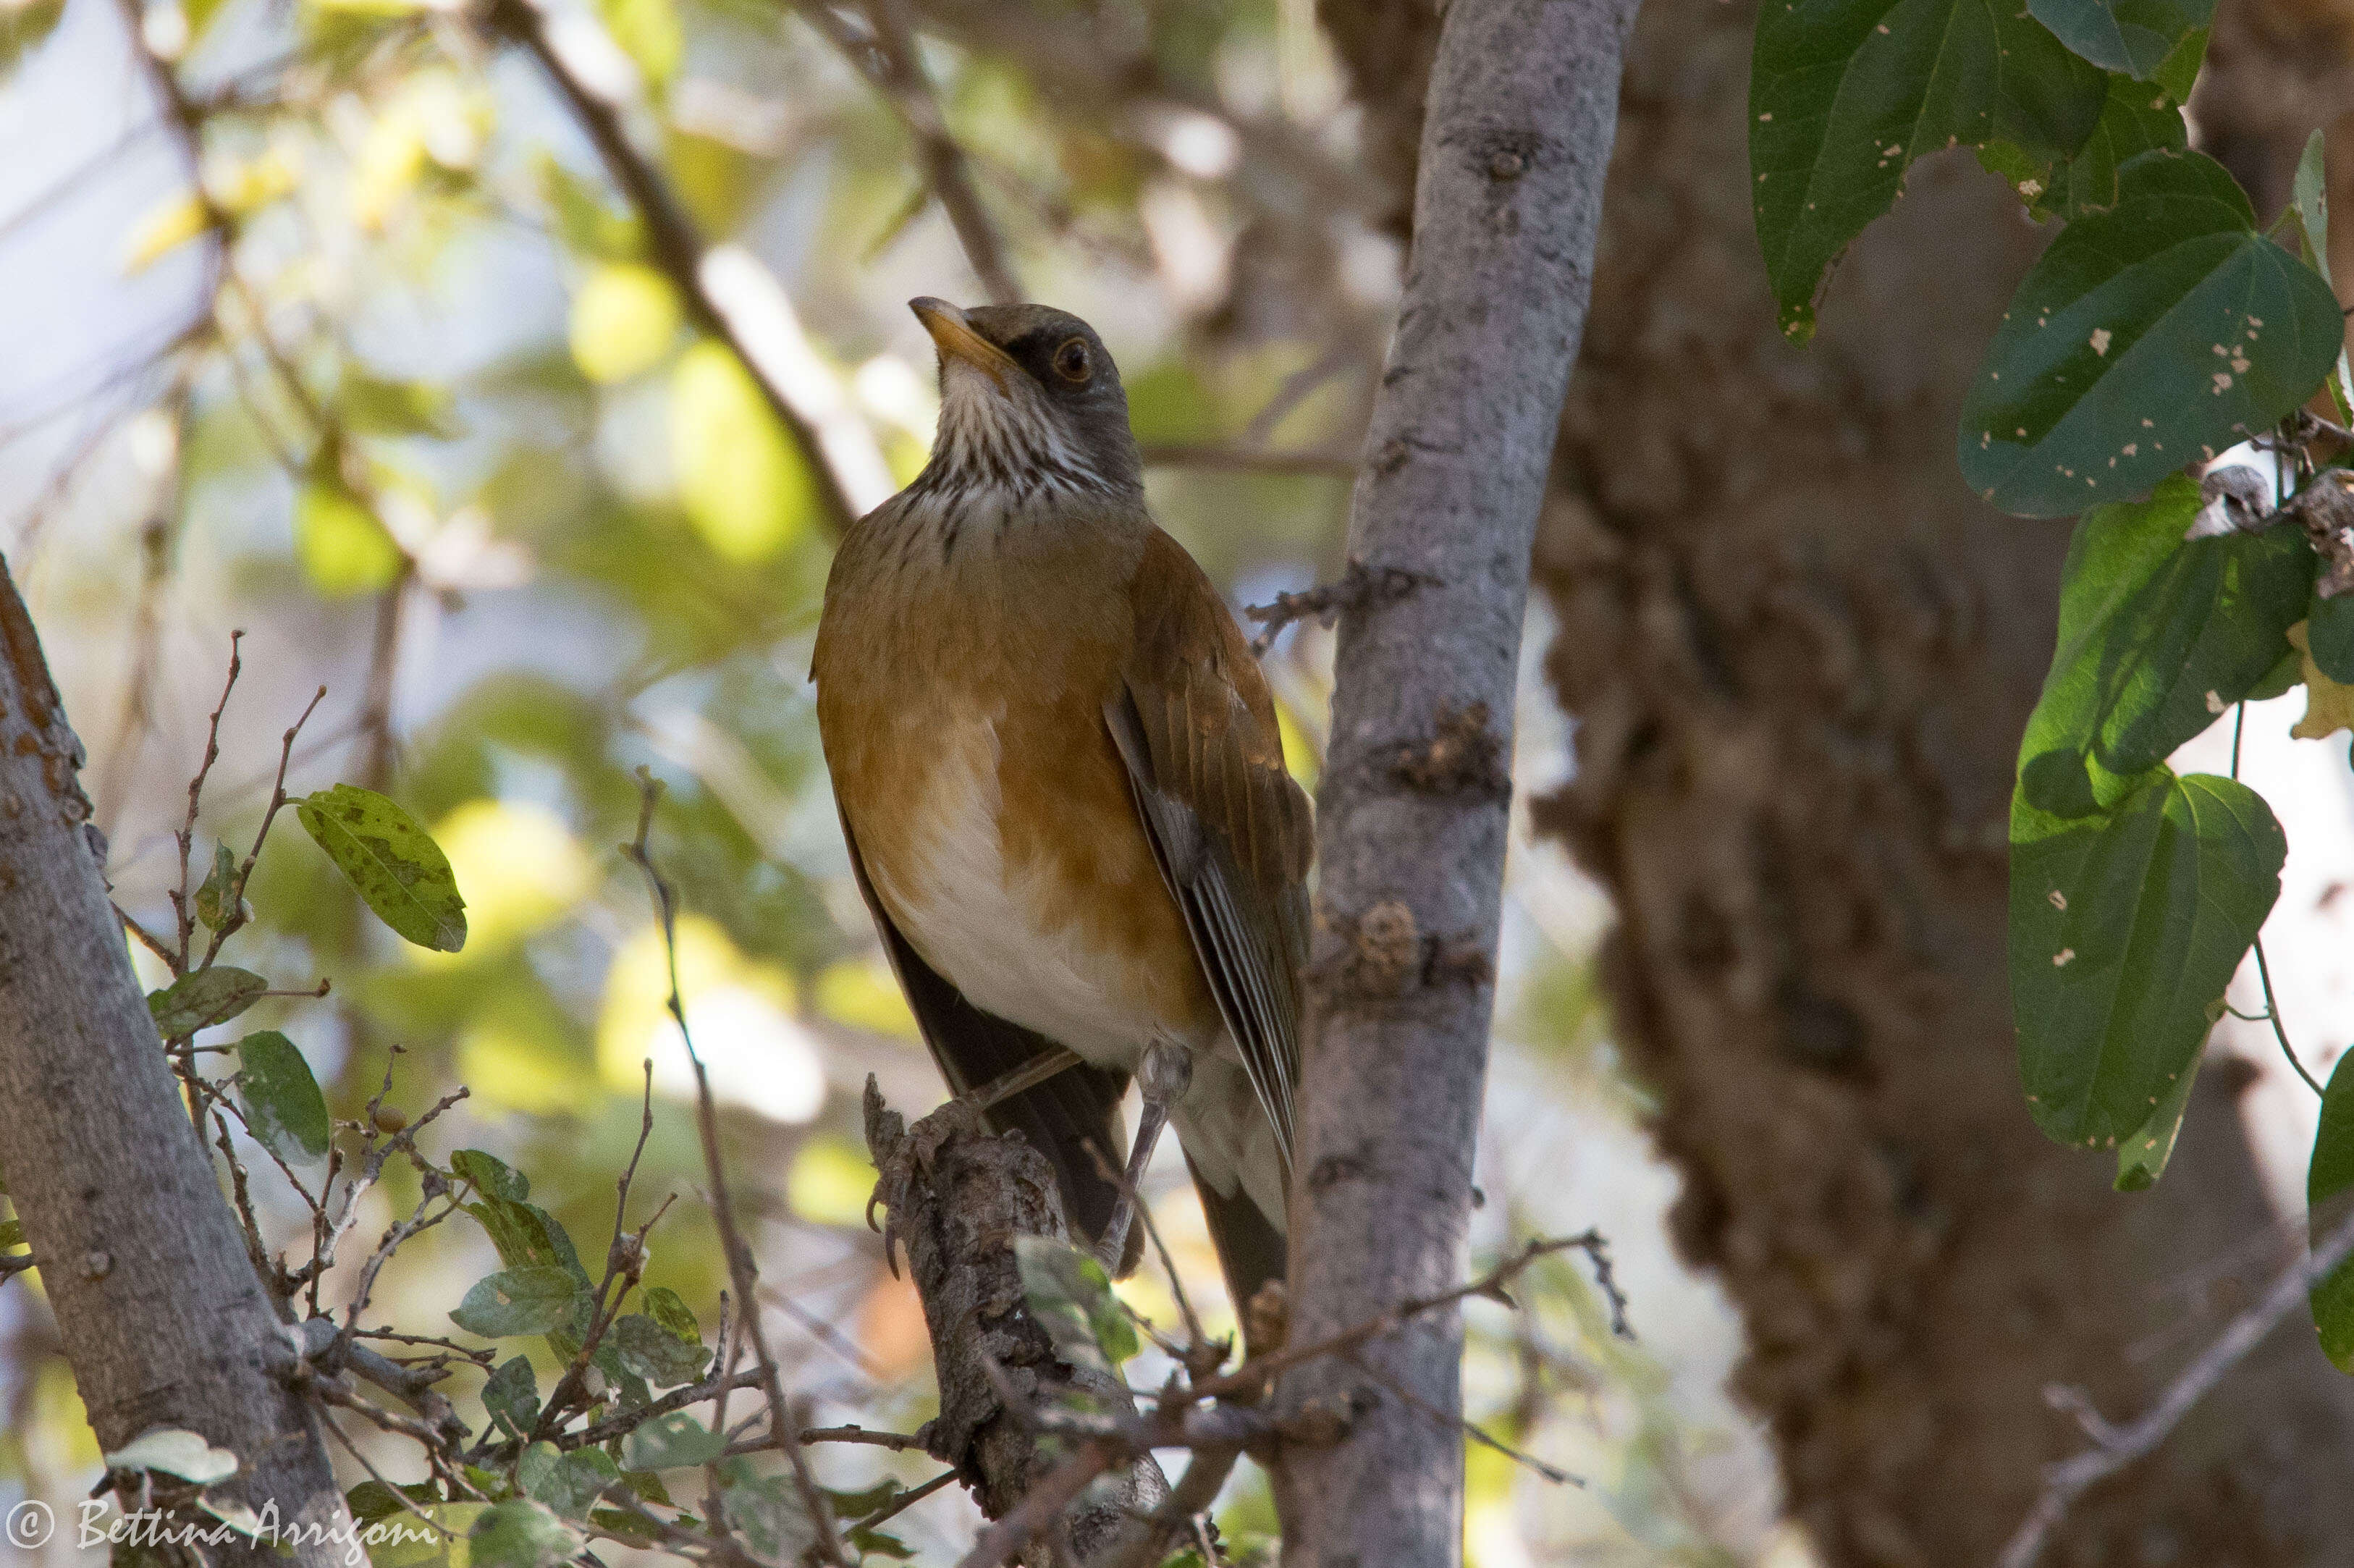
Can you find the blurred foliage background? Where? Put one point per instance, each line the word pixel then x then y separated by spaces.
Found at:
pixel 330 320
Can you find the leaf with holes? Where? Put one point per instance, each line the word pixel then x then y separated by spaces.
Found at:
pixel 2158 637
pixel 399 871
pixel 1845 94
pixel 201 1000
pixel 283 1107
pixel 652 1352
pixel 2126 927
pixel 2147 337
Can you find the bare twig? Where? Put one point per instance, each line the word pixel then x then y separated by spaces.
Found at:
pixel 741 1272
pixel 996 1545
pixel 1359 586
pixel 728 293
pixel 2114 1446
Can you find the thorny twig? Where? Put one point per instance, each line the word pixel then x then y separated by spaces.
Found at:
pixel 2114 1446
pixel 740 1269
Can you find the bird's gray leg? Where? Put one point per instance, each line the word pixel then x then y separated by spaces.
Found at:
pixel 1165 1075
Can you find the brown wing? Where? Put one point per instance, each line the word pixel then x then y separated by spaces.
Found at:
pixel 1195 727
pixel 1061 1118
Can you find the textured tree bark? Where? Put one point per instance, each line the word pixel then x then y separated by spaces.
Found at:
pixel 957 1196
pixel 161 1315
pixel 1412 819
pixel 1800 654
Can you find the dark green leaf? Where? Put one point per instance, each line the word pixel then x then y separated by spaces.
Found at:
pixel 198 1000
pixel 490 1176
pixel 283 1107
pixel 2124 928
pixel 531 1300
pixel 652 1352
pixel 519 1534
pixel 399 871
pixel 2132 36
pixel 568 1483
pixel 1845 94
pixel 12 1232
pixel 672 1442
pixel 373 1501
pixel 880 1544
pixel 511 1395
pixel 2137 118
pixel 1070 1295
pixel 2328 1199
pixel 662 1305
pixel 2147 337
pixel 2158 637
pixel 628 1527
pixel 2329 637
pixel 214 896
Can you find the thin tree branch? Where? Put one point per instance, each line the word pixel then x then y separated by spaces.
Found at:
pixel 2115 1447
pixel 728 291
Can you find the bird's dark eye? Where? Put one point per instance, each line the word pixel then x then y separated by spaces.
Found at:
pixel 1073 363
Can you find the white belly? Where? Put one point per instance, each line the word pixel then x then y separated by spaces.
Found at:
pixel 985 928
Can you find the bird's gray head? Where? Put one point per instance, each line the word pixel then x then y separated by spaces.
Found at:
pixel 1031 408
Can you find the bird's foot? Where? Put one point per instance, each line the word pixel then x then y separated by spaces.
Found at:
pixel 1165 1075
pixel 1028 1076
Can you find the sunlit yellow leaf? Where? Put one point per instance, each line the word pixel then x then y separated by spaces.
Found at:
pixel 1298 751
pixel 624 319
pixel 830 1182
pixel 2329 706
pixel 519 867
pixel 513 1052
pixel 863 995
pixel 649 33
pixel 744 483
pixel 342 544
pixel 180 219
pixel 254 184
pixel 739 1011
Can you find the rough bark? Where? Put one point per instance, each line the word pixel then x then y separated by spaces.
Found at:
pixel 1800 654
pixel 162 1317
pixel 957 1196
pixel 1412 819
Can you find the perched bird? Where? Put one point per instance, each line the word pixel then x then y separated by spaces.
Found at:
pixel 1064 791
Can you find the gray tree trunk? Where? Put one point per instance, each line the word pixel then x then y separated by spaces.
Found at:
pixel 163 1318
pixel 1413 810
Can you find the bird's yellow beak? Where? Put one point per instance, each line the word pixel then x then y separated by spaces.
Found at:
pixel 957 340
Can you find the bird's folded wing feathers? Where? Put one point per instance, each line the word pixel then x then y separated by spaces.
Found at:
pixel 1061 1118
pixel 1196 728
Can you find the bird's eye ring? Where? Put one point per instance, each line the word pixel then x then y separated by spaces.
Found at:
pixel 1072 361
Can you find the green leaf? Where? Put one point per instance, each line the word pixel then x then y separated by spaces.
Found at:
pixel 411 1543
pixel 2329 637
pixel 662 1305
pixel 283 1107
pixel 2135 36
pixel 652 1351
pixel 672 1442
pixel 2158 637
pixel 578 213
pixel 879 1545
pixel 531 1300
pixel 490 1175
pixel 2124 929
pixel 372 1500
pixel 746 486
pixel 510 1396
pixel 767 1510
pixel 625 317
pixel 24 28
pixel 170 1451
pixel 2141 1159
pixel 519 1534
pixel 373 405
pixel 399 871
pixel 2147 337
pixel 201 1000
pixel 568 1483
pixel 2309 194
pixel 214 897
pixel 2137 118
pixel 1845 94
pixel 2328 1199
pixel 344 547
pixel 12 1232
pixel 1070 1295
